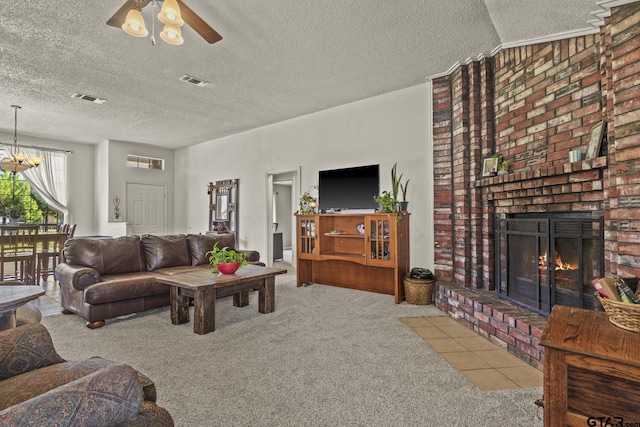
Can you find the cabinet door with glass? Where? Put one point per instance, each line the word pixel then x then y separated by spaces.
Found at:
pixel 307 238
pixel 381 238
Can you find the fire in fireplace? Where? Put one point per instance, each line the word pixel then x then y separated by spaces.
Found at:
pixel 549 259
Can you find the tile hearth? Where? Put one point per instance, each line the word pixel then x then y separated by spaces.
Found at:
pixel 488 366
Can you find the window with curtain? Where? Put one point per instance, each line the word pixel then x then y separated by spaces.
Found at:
pixel 38 195
pixel 18 201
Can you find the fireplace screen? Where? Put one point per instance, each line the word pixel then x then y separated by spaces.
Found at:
pixel 543 261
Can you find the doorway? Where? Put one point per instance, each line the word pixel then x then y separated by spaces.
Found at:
pixel 282 193
pixel 146 208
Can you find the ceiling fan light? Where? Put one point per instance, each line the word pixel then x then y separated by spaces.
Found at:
pixel 172 35
pixel 134 24
pixel 170 13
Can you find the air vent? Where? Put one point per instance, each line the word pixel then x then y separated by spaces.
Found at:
pixel 90 98
pixel 193 80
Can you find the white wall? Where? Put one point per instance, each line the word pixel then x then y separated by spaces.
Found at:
pixel 119 175
pixel 394 127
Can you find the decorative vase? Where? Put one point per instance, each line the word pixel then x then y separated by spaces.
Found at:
pixel 228 268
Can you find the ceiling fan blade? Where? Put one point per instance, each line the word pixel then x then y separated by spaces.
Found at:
pixel 198 24
pixel 118 18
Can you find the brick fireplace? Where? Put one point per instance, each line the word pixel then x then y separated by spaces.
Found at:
pixel 548 259
pixel 532 105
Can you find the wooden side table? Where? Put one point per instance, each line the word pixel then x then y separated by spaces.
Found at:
pixel 591 370
pixel 12 297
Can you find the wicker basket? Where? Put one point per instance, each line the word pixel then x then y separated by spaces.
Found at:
pixel 621 314
pixel 418 291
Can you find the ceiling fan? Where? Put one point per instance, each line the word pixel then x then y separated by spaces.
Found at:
pixel 188 15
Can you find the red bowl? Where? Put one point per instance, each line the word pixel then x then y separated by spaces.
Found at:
pixel 228 268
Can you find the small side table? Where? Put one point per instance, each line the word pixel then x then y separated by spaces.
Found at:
pixel 12 297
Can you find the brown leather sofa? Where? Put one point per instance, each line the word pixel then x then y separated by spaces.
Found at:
pixel 106 278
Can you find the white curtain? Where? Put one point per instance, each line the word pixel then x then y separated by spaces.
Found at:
pixel 49 180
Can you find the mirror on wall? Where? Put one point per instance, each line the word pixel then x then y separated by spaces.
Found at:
pixel 223 206
pixel 222 201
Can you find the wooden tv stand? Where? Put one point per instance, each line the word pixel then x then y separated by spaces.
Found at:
pixel 332 251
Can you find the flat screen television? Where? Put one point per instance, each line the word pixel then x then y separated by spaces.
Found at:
pixel 349 188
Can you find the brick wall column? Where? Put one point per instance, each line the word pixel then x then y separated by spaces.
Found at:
pixel 462 167
pixel 487 146
pixel 442 179
pixel 624 116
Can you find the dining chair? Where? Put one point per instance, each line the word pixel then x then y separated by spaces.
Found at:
pixel 49 253
pixel 18 252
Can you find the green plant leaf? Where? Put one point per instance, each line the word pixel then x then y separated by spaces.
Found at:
pixel 224 255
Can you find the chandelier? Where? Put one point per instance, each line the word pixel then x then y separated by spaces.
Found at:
pixel 169 15
pixel 15 161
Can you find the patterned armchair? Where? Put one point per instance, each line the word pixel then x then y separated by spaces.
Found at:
pixel 39 388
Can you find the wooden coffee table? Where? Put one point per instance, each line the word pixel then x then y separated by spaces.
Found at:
pixel 204 287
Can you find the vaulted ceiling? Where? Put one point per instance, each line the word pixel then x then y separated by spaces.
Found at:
pixel 277 60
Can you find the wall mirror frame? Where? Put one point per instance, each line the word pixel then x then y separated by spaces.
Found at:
pixel 223 206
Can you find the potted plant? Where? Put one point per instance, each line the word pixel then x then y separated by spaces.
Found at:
pixel 386 201
pixel 396 187
pixel 395 181
pixel 403 203
pixel 308 203
pixel 502 165
pixel 14 214
pixel 225 260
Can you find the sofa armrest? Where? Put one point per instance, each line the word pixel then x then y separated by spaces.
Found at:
pixel 250 256
pixel 75 276
pixel 150 415
pixel 26 348
pixel 108 396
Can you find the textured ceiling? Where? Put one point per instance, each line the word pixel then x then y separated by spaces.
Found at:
pixel 277 60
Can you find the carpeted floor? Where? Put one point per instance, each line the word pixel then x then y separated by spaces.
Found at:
pixel 326 357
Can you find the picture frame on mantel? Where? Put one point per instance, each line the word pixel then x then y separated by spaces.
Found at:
pixel 595 140
pixel 489 166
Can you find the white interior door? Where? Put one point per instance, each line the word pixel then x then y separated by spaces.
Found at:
pixel 146 208
pixel 292 175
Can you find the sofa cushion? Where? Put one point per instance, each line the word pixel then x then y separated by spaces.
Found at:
pixel 165 251
pixel 47 378
pixel 28 313
pixel 108 396
pixel 200 244
pixel 24 349
pixel 106 256
pixel 123 287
